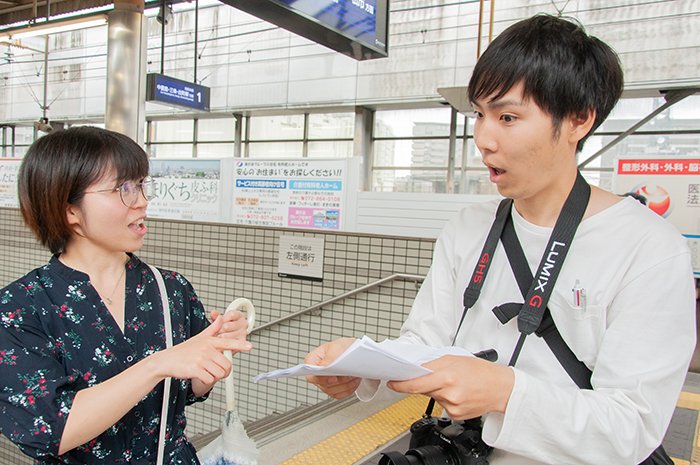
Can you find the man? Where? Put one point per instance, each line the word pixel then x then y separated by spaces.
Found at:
pixel 622 302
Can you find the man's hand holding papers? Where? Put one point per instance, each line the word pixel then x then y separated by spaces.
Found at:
pixel 337 367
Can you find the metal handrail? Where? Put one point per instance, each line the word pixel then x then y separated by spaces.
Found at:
pixel 369 286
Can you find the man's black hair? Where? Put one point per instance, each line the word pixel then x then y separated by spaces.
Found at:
pixel 564 70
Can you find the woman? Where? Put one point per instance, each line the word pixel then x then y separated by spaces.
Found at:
pixel 82 345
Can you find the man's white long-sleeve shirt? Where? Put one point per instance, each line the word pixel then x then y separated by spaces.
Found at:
pixel 624 303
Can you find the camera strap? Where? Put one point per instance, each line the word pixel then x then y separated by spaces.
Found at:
pixel 547 330
pixel 533 312
pixel 473 290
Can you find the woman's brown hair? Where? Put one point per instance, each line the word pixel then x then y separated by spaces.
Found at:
pixel 59 167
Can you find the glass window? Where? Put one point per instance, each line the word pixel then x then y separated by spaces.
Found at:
pixel 20 151
pixel 392 153
pixel 275 150
pixel 688 108
pixel 284 127
pixel 630 109
pixel 411 153
pixel 602 179
pixel 474 182
pixel 430 152
pixel 216 129
pixel 214 150
pixel 331 125
pixel 412 123
pixel 24 135
pixel 432 181
pixel 681 115
pixel 330 149
pixel 639 145
pixel 171 150
pixel 173 131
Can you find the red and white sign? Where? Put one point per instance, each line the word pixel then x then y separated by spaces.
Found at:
pixel 670 185
pixel 658 166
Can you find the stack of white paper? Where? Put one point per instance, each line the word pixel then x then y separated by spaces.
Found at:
pixel 388 360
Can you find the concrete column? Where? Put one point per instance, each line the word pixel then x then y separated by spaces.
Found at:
pixel 451 153
pixel 363 147
pixel 126 69
pixel 237 135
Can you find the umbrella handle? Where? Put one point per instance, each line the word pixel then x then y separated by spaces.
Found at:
pixel 244 305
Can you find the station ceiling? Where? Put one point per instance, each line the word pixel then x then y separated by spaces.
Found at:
pixel 14 11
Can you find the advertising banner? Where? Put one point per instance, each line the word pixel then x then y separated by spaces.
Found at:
pixel 188 189
pixel 307 194
pixel 9 167
pixel 671 187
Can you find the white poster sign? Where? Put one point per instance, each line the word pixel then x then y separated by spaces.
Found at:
pixel 694 245
pixel 670 185
pixel 307 193
pixel 9 167
pixel 301 257
pixel 187 189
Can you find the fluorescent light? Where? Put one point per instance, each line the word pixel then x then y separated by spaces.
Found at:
pixel 53 27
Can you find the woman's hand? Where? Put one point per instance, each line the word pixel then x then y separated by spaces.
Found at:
pixel 235 325
pixel 337 387
pixel 201 357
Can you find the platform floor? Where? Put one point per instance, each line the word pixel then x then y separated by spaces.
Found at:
pixel 355 434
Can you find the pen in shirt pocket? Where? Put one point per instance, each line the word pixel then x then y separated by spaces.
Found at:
pixel 579 296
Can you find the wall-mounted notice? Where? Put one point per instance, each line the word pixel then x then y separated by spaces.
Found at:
pixel 309 194
pixel 670 185
pixel 9 168
pixel 694 246
pixel 301 257
pixel 188 189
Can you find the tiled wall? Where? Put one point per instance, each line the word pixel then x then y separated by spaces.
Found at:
pixel 226 261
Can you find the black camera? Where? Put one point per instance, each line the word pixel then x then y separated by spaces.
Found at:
pixel 441 441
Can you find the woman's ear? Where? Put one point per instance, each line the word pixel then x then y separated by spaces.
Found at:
pixel 74 216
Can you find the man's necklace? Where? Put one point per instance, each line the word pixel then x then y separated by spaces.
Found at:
pixel 109 299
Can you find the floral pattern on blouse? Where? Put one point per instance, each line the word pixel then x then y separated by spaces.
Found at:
pixel 57 337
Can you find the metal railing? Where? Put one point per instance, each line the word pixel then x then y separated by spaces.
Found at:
pixel 268 429
pixel 364 288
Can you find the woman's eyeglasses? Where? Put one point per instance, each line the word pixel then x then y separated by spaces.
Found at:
pixel 129 191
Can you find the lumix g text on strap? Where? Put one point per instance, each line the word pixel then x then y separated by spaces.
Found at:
pixel 530 315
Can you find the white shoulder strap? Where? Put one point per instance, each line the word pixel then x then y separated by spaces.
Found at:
pixel 168 344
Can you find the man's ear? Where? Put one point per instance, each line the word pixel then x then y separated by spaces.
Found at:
pixel 577 126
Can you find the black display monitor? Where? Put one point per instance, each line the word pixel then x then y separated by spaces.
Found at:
pixel 357 28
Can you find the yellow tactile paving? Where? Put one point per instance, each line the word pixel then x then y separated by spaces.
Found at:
pixel 689 400
pixel 370 434
pixel 364 437
pixel 695 454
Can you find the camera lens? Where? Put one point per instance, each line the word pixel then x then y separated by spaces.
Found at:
pixel 432 455
pixel 426 455
pixel 396 458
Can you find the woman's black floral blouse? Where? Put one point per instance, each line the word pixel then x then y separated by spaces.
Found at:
pixel 57 337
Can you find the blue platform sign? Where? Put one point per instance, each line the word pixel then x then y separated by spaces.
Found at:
pixel 171 91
